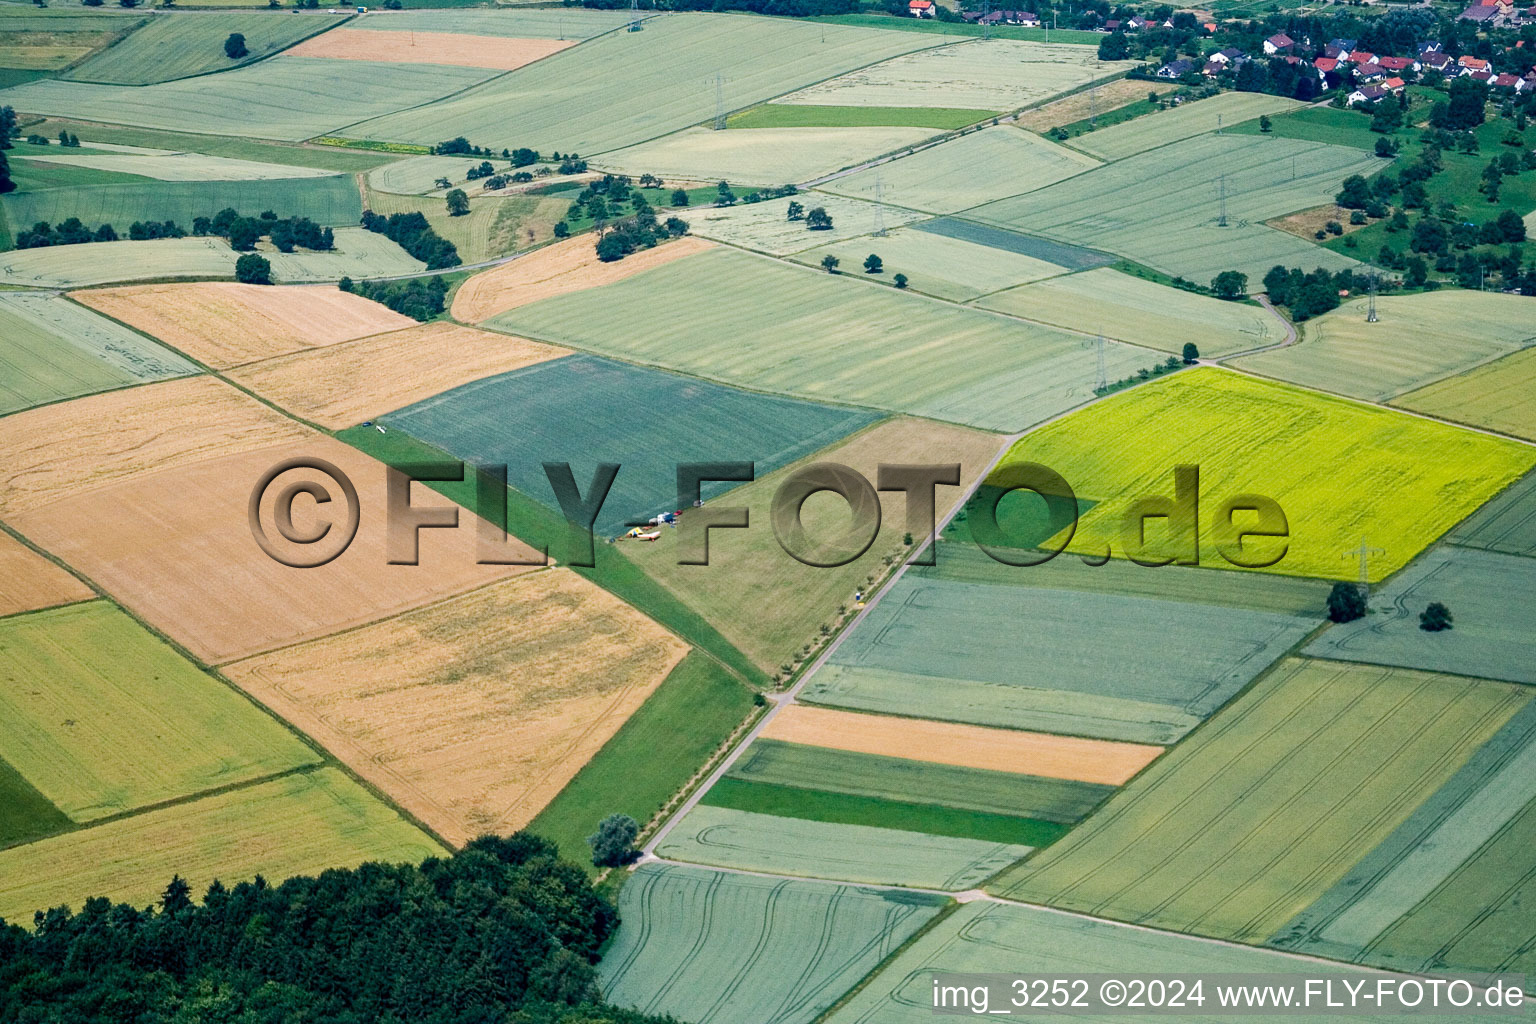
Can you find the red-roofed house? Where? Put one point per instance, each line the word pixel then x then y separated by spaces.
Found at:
pixel 1362 57
pixel 1506 81
pixel 1278 43
pixel 1471 63
pixel 1397 65
pixel 920 8
pixel 1393 85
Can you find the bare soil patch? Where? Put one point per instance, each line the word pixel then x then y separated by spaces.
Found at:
pixel 1307 223
pixel 455 48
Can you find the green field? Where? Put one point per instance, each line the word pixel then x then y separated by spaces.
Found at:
pixel 569 23
pixel 102 717
pixel 989 938
pixel 286 98
pixel 1161 207
pixel 760 156
pixel 1317 764
pixel 880 812
pixel 330 200
pixel 976 168
pixel 1497 395
pixel 178 47
pixel 1337 469
pixel 797 115
pixel 29 175
pixel 51 349
pixel 855 853
pixel 994 75
pixel 25 814
pixel 1465 822
pixel 328 158
pixel 1417 340
pixel 1077 662
pixel 586 411
pixel 713 948
pixel 760 324
pixel 771 632
pixel 296 825
pixel 948 268
pixel 572 101
pixel 1507 523
pixel 689 717
pixel 1117 305
pixel 1176 124
pixel 1494 636
pixel 766 226
pixel 1318 124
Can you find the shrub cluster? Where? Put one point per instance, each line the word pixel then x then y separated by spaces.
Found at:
pixel 413 234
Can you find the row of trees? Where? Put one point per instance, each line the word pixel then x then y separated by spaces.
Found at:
pixel 412 233
pixel 420 298
pixel 242 232
pixel 642 231
pixel 501 931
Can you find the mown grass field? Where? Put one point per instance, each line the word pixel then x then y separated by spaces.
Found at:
pixel 73 266
pixel 771 632
pixel 1400 888
pixel 1062 254
pixel 329 158
pixel 123 720
pixel 298 824
pixel 285 98
pixel 801 765
pixel 690 715
pixel 161 165
pixel 1507 523
pixel 983 938
pixel 568 101
pixel 1494 637
pixel 1086 664
pixel 713 947
pixel 51 349
pixel 586 411
pixel 330 200
pixel 174 47
pixel 1222 111
pixel 1117 305
pixel 948 268
pixel 1299 448
pixel 494 225
pixel 1317 764
pixel 766 226
pixel 880 812
pixel 757 323
pixel 1416 341
pixel 760 156
pixel 1161 207
pixel 723 837
pixel 1496 396
pixel 998 74
pixel 976 168
pixel 782 114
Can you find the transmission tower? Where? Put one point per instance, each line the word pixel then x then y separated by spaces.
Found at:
pixel 1218 124
pixel 1093 98
pixel 1221 191
pixel 1370 314
pixel 1364 553
pixel 1103 371
pixel 986 24
pixel 879 206
pixel 719 102
pixel 634 15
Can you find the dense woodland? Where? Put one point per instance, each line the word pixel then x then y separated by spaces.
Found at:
pixel 500 932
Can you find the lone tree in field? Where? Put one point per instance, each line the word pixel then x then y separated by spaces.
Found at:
pixel 1191 353
pixel 613 844
pixel 253 268
pixel 458 203
pixel 1435 618
pixel 900 280
pixel 234 46
pixel 1346 602
pixel 873 265
pixel 829 263
pixel 679 197
pixel 1265 124
pixel 1229 285
pixel 795 211
pixel 818 219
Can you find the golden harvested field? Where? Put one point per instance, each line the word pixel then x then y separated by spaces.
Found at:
pixel 770 631
pixel 28 581
pixel 223 324
pixel 348 383
pixel 176 547
pixel 297 825
pixel 1077 107
pixel 568 266
pixel 393 47
pixel 967 746
pixel 101 440
pixel 473 713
